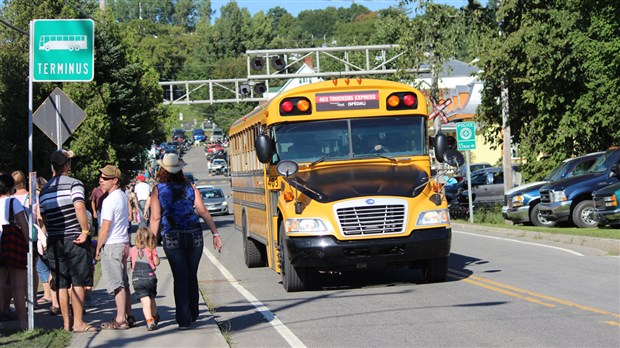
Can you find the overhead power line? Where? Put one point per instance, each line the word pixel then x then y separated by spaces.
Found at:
pixel 13 27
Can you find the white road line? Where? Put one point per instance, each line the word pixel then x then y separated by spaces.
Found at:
pixel 522 242
pixel 284 331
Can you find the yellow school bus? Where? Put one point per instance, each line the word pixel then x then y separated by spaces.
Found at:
pixel 336 175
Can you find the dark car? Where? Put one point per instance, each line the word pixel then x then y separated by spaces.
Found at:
pixel 199 135
pixel 190 177
pixel 521 204
pixel 607 205
pixel 214 199
pixel 487 186
pixel 570 199
pixel 461 173
pixel 178 135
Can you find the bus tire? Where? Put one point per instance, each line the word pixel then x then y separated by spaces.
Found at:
pixel 436 270
pixel 293 278
pixel 584 215
pixel 252 254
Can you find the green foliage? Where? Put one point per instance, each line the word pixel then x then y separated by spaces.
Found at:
pixel 36 338
pixel 561 64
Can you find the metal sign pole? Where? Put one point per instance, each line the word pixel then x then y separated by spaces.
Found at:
pixel 471 208
pixel 30 251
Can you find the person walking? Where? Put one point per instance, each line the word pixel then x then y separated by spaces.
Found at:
pixel 96 200
pixel 14 249
pixel 63 213
pixel 142 191
pixel 175 209
pixel 113 247
pixel 144 261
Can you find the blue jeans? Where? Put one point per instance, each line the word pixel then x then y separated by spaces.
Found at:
pixel 183 250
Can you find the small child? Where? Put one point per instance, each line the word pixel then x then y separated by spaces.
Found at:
pixel 144 260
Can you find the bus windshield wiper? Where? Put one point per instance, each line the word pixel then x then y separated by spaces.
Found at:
pixel 317 161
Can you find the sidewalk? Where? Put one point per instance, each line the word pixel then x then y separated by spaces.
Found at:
pixel 204 333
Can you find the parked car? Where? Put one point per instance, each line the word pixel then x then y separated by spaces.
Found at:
pixel 487 187
pixel 214 199
pixel 199 135
pixel 217 166
pixel 178 135
pixel 607 205
pixel 521 204
pixel 190 177
pixel 570 199
pixel 461 172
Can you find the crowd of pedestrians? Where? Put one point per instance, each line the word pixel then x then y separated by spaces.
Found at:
pixel 67 249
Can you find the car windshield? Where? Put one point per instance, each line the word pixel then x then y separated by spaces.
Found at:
pixel 211 193
pixel 603 163
pixel 559 172
pixel 199 132
pixel 349 139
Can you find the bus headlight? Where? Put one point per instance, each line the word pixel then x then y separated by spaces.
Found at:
pixel 433 217
pixel 304 225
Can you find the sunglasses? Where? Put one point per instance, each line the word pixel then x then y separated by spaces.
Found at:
pixel 104 178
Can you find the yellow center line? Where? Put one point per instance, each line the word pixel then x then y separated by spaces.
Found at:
pixel 506 292
pixel 516 292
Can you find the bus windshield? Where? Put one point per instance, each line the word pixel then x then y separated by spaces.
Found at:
pixel 352 138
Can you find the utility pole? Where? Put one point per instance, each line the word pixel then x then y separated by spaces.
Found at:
pixel 506 136
pixel 102 5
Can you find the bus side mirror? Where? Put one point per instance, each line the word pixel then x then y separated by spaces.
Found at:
pixel 264 148
pixel 453 158
pixel 441 145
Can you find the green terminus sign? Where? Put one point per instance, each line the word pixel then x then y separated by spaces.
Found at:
pixel 62 50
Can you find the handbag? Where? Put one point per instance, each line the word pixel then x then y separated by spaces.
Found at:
pixel 13 248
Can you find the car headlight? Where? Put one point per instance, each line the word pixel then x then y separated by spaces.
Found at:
pixel 224 203
pixel 433 217
pixel 610 201
pixel 558 196
pixel 305 225
pixel 517 201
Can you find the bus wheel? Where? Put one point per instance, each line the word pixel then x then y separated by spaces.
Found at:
pixel 251 248
pixel 293 278
pixel 436 270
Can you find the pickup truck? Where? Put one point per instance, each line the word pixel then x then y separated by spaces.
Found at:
pixel 521 204
pixel 570 199
pixel 607 205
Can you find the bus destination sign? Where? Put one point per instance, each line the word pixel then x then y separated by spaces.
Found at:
pixel 347 100
pixel 62 50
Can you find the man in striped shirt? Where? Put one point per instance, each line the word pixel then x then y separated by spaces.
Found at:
pixel 63 211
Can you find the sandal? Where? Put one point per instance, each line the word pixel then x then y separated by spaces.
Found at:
pixel 114 325
pixel 43 300
pixel 86 328
pixel 131 321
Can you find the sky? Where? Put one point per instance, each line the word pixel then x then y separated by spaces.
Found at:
pixel 295 6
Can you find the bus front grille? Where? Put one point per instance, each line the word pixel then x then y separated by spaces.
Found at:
pixel 371 220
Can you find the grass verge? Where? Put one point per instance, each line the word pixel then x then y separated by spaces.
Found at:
pixel 493 217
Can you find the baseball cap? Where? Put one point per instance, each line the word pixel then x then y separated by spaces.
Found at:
pixel 60 157
pixel 110 171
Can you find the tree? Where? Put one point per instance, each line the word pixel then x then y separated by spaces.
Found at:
pixel 122 103
pixel 561 64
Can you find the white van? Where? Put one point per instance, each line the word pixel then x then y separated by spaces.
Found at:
pixel 217 135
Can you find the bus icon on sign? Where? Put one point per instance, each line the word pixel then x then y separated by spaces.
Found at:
pixel 63 42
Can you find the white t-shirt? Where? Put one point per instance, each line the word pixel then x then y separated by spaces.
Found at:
pixel 142 190
pixel 116 210
pixel 4 210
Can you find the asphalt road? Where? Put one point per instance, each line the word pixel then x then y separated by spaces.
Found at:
pixel 502 291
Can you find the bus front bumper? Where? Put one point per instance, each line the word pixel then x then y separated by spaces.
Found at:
pixel 328 253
